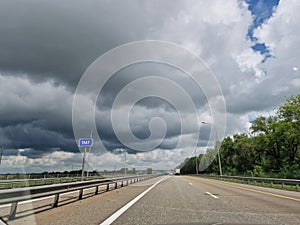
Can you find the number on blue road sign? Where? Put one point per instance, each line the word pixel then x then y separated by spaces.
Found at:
pixel 85 142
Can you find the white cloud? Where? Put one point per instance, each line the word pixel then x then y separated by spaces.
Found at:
pixel 281 35
pixel 281 32
pixel 280 90
pixel 56 161
pixel 296 82
pixel 249 60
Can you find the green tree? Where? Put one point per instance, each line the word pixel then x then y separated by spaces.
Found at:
pixel 290 115
pixel 270 149
pixel 291 109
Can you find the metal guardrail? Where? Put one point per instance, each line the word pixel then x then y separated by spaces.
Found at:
pixel 26 182
pixel 262 180
pixel 14 196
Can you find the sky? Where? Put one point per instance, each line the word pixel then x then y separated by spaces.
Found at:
pixel 250 46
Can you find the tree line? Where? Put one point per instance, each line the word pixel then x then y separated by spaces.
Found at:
pixel 269 149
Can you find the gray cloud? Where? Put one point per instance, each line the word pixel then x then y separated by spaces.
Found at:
pixel 59 39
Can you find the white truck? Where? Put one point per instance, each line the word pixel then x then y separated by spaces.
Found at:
pixel 177 171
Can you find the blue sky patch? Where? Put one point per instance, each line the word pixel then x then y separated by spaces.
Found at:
pixel 251 118
pixel 261 11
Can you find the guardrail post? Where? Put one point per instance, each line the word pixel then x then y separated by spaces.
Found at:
pixel 297 187
pixel 80 194
pixel 13 210
pixel 116 185
pixel 56 198
pixel 271 184
pixel 122 184
pixel 97 189
pixel 107 187
pixel 282 185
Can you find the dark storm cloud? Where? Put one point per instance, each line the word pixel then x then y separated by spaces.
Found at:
pixel 48 112
pixel 9 151
pixel 39 141
pixel 140 126
pixel 158 107
pixel 59 39
pixel 53 43
pixel 144 69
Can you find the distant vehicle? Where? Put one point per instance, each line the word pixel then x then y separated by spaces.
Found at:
pixel 177 171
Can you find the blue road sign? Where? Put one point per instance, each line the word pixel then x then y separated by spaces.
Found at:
pixel 85 142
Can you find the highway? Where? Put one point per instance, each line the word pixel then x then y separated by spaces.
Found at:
pixel 169 200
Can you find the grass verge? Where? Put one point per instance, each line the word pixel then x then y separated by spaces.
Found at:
pixel 261 184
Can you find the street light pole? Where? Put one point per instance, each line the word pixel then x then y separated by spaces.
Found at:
pixel 217 143
pixel 125 161
pixel 196 162
pixel 219 158
pixel 87 172
pixel 1 154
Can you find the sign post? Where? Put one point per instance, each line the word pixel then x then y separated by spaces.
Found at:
pixel 84 142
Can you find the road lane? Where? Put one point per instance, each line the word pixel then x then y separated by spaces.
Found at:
pixel 118 213
pixel 280 205
pixel 88 211
pixel 253 188
pixel 184 200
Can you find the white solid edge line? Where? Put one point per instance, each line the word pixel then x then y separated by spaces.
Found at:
pixel 211 195
pixel 118 213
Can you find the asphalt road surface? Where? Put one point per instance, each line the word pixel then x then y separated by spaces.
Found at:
pixel 173 200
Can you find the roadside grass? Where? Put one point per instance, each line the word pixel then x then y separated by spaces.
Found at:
pixel 28 183
pixel 261 184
